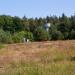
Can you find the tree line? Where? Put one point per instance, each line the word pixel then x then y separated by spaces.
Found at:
pixel 14 29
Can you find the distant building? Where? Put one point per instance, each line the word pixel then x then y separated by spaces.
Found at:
pixel 47 26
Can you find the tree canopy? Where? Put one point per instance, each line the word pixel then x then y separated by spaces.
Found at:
pixel 62 28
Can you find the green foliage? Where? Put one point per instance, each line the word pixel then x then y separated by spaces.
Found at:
pixel 62 26
pixel 57 36
pixel 8 25
pixel 66 35
pixel 2 22
pixel 41 34
pixel 29 36
pixel 18 37
pixel 5 37
pixel 72 35
pixel 52 29
pixel 18 24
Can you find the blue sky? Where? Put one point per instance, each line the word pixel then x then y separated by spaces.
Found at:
pixel 37 8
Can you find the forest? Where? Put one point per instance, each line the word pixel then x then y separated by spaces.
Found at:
pixel 14 29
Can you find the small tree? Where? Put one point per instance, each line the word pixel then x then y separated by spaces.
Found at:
pixel 66 35
pixel 5 37
pixel 57 35
pixel 72 34
pixel 18 37
pixel 41 34
pixel 28 35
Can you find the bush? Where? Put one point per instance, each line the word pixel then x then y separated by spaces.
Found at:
pixel 66 35
pixel 41 34
pixel 52 29
pixel 57 35
pixel 28 35
pixel 5 37
pixel 72 34
pixel 18 37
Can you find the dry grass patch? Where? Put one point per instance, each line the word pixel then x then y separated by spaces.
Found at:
pixel 38 58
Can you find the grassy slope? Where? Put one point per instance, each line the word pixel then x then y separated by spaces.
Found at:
pixel 38 58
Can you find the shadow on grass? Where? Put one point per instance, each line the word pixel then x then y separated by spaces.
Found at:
pixel 72 58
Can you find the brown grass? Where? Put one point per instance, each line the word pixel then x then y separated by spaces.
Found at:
pixel 43 53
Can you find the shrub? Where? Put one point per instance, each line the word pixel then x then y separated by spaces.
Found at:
pixel 41 34
pixel 57 35
pixel 29 36
pixel 5 37
pixel 18 37
pixel 72 34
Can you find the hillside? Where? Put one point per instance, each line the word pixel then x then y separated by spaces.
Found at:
pixel 38 58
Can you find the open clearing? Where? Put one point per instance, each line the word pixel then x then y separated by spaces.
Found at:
pixel 38 58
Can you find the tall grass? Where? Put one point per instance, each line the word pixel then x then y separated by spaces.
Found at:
pixel 1 46
pixel 66 68
pixel 43 62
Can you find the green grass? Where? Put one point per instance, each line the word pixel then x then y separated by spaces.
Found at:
pixel 66 68
pixel 1 46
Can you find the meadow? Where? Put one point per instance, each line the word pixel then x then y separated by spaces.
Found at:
pixel 38 58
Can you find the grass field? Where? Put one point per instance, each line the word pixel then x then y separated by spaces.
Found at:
pixel 38 58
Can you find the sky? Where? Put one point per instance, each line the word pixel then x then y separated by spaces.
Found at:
pixel 37 8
